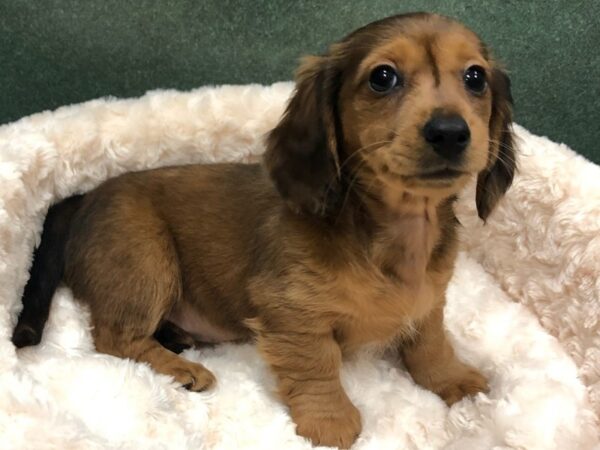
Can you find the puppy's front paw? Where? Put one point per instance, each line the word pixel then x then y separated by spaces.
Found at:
pixel 335 429
pixel 460 382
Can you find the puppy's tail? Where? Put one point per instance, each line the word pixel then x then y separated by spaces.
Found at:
pixel 46 272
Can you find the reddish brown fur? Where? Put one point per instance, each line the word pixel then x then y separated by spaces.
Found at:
pixel 359 251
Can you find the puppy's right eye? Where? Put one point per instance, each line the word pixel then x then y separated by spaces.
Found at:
pixel 384 79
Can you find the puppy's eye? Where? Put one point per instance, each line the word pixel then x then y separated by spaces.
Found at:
pixel 474 78
pixel 384 79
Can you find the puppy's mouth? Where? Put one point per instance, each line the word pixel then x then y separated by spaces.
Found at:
pixel 441 174
pixel 445 175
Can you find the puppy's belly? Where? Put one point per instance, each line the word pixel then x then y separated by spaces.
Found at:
pixel 186 317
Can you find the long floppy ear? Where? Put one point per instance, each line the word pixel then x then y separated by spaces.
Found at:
pixel 302 150
pixel 494 181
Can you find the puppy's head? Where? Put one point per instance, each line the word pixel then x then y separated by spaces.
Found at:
pixel 409 104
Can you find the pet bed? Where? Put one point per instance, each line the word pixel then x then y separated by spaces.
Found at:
pixel 523 305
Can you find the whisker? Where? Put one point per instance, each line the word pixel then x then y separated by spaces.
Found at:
pixel 370 185
pixel 349 188
pixel 377 145
pixel 506 158
pixel 500 144
pixel 394 132
pixel 402 155
pixel 363 149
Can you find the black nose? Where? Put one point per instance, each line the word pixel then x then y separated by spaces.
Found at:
pixel 449 135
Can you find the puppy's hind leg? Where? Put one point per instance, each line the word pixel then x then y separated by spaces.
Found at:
pixel 192 376
pixel 135 336
pixel 125 266
pixel 131 333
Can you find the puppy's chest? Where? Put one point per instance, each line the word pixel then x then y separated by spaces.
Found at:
pixel 378 310
pixel 392 289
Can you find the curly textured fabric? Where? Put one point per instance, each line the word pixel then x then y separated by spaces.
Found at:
pixel 523 305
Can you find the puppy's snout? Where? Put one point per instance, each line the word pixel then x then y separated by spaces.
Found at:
pixel 448 134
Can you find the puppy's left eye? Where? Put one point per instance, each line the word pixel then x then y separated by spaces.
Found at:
pixel 384 79
pixel 474 78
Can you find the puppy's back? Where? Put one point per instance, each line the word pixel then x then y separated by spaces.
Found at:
pixel 202 225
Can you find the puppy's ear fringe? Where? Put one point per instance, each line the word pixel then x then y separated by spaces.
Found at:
pixel 494 181
pixel 302 150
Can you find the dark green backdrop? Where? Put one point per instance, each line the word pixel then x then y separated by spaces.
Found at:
pixel 55 52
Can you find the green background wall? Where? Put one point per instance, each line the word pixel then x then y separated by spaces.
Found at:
pixel 56 52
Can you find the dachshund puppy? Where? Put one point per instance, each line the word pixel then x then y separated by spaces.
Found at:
pixel 344 237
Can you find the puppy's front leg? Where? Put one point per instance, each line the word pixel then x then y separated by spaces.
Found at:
pixel 307 365
pixel 432 363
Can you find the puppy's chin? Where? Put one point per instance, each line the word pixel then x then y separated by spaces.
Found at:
pixel 435 186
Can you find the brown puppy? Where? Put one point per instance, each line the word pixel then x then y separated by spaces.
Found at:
pixel 344 237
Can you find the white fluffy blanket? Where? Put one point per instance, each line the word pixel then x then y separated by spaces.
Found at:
pixel 523 306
